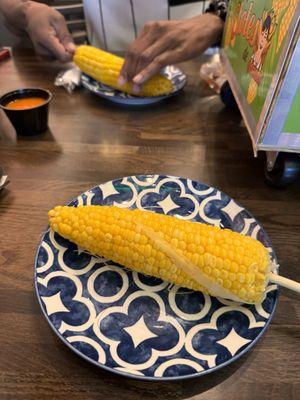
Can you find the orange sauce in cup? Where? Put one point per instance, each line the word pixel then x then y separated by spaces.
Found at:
pixel 25 103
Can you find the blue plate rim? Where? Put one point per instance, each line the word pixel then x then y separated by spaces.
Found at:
pixel 153 378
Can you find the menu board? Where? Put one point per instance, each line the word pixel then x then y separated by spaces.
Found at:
pixel 256 43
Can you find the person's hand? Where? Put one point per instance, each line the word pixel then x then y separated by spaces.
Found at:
pixel 163 43
pixel 48 32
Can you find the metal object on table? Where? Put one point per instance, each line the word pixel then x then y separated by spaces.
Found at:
pixel 262 63
pixel 281 168
pixel 3 178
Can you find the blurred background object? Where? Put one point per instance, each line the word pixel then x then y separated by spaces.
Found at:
pixel 4 53
pixel 73 12
pixel 212 73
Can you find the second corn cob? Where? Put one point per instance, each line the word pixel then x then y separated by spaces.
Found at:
pixel 105 67
pixel 190 254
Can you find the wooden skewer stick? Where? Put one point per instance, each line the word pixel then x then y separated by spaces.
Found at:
pixel 285 282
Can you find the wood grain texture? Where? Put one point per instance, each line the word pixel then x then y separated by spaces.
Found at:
pixel 89 142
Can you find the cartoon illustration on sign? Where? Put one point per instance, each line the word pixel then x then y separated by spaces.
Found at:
pixel 254 39
pixel 233 25
pixel 260 50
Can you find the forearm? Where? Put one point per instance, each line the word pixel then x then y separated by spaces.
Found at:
pixel 213 27
pixel 14 14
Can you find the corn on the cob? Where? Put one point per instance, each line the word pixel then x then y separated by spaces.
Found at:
pixel 105 67
pixel 190 254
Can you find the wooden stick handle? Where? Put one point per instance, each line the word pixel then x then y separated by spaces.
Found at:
pixel 288 283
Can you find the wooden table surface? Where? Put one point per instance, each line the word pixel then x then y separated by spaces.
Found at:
pixel 89 142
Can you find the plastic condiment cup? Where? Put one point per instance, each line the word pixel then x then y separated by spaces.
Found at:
pixel 29 121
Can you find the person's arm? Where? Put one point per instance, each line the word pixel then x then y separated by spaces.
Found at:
pixel 45 26
pixel 13 18
pixel 163 43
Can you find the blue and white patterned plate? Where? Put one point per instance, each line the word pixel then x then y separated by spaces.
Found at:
pixel 139 326
pixel 177 77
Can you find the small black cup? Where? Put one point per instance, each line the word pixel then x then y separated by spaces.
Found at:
pixel 31 121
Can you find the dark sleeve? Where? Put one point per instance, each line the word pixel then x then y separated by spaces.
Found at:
pixel 218 7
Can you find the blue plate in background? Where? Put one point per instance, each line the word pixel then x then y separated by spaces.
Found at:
pixel 177 77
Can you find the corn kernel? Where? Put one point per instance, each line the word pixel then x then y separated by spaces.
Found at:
pixel 227 284
pixel 195 258
pixel 234 267
pixel 108 237
pixel 219 281
pixel 181 245
pixel 235 285
pixel 200 249
pixel 241 277
pixel 231 276
pixel 224 273
pixel 215 272
pixel 191 247
pixel 174 242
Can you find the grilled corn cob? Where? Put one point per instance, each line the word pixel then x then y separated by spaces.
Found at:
pixel 105 67
pixel 190 254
